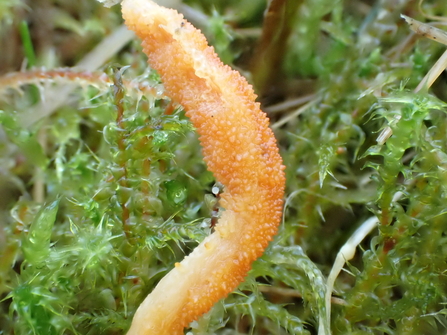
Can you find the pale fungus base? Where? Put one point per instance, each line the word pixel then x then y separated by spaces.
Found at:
pixel 238 148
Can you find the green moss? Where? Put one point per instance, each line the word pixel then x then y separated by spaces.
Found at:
pixel 102 196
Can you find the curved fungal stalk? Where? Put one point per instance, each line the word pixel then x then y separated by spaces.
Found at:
pixel 238 148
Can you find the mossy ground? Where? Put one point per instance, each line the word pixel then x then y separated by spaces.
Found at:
pixel 103 193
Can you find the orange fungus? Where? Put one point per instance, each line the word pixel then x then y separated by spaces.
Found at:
pixel 239 149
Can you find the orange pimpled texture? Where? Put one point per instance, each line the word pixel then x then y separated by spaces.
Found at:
pixel 238 148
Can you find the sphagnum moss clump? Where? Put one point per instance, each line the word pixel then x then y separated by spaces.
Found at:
pixel 103 195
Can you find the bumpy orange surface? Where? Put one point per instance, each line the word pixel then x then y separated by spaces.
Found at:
pixel 238 148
